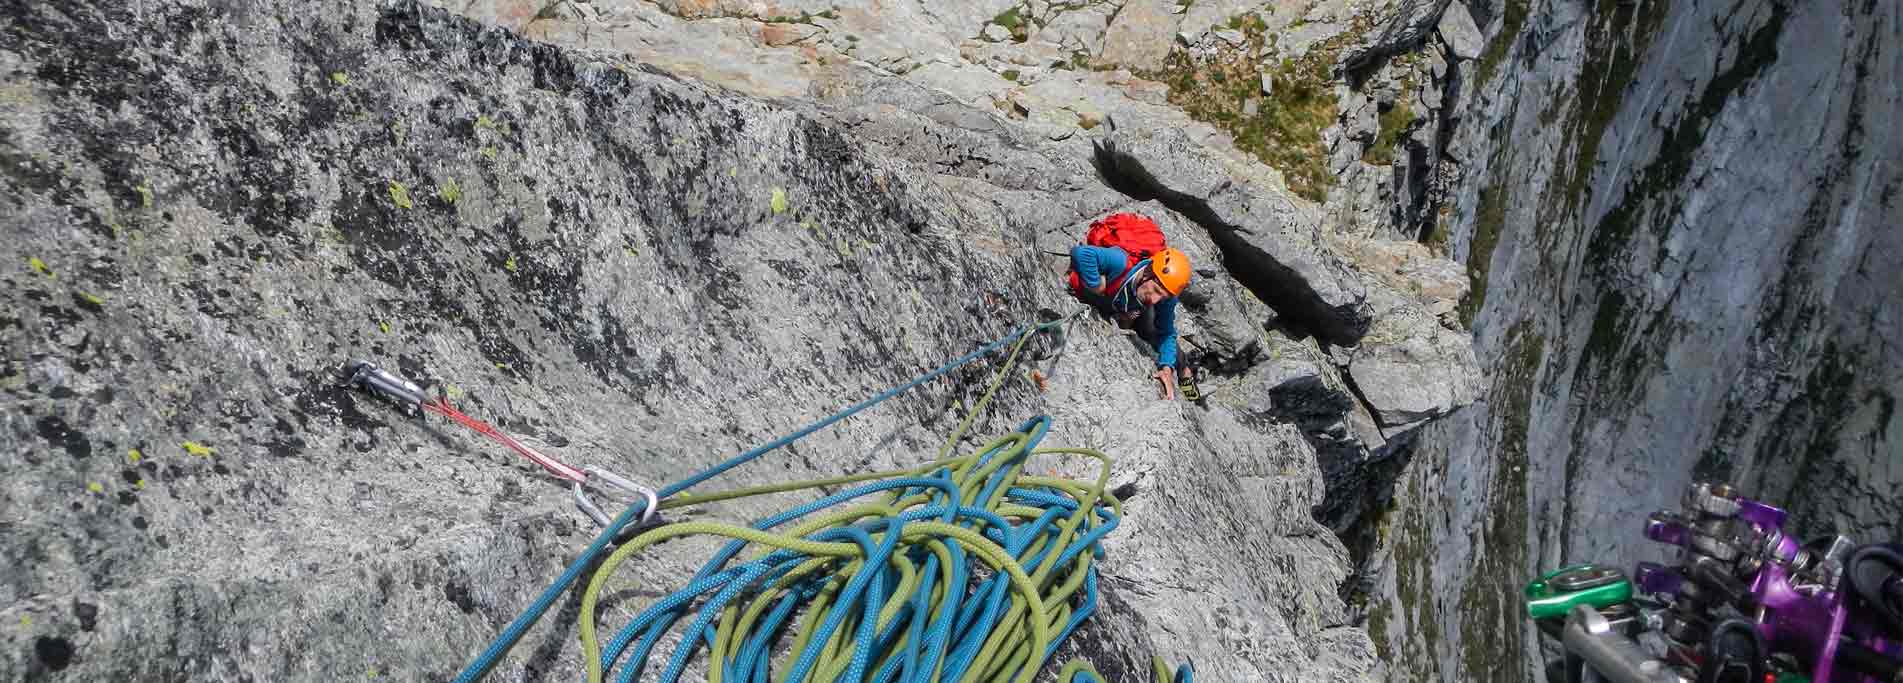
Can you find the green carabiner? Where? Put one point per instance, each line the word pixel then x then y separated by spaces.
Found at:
pixel 1557 592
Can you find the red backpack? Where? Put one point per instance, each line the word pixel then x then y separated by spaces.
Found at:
pixel 1138 237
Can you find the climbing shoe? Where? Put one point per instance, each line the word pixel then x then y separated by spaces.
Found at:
pixel 1186 384
pixel 1186 377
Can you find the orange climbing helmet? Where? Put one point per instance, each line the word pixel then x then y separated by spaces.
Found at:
pixel 1171 268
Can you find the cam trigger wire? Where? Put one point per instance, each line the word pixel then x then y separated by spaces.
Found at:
pixel 384 383
pixel 440 406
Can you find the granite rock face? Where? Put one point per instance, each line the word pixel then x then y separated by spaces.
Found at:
pixel 211 207
pixel 1403 26
pixel 1681 223
pixel 1458 30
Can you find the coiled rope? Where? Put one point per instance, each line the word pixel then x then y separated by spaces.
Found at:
pixel 965 569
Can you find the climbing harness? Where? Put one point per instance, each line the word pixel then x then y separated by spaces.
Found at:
pixel 382 382
pixel 1745 603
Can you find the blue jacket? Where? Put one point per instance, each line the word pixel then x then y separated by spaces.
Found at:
pixel 1097 265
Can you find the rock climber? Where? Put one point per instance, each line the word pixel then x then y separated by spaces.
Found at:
pixel 1125 271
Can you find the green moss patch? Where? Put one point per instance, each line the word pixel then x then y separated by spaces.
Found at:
pixel 1487 227
pixel 1395 123
pixel 1489 605
pixel 1513 18
pixel 1285 131
pixel 1016 22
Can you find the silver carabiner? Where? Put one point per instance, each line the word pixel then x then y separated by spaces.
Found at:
pixel 588 507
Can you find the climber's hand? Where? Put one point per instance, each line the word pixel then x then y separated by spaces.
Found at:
pixel 1167 376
